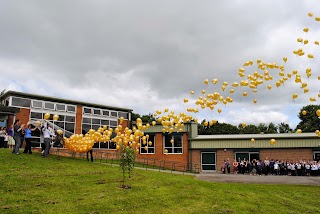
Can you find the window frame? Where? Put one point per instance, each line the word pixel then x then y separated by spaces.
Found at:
pixel 153 146
pixel 173 147
pixel 20 98
pixel 44 106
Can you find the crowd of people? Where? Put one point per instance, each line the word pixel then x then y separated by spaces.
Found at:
pixel 14 136
pixel 272 167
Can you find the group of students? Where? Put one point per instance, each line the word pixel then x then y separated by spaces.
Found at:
pixel 272 167
pixel 17 133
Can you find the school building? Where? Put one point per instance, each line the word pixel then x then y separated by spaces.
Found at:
pixel 188 148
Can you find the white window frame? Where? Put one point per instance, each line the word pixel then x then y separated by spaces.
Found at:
pixel 153 146
pixel 86 108
pixel 235 154
pixel 44 106
pixel 32 106
pixel 75 108
pixel 173 153
pixel 11 101
pixel 95 109
pixel 65 107
pixel 113 112
pixel 102 110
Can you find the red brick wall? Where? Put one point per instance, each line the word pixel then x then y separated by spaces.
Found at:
pixel 195 158
pixel 10 120
pixel 78 128
pixel 223 155
pixel 124 123
pixel 181 159
pixel 287 154
pixel 23 115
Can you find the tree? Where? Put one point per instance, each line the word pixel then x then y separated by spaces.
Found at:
pixel 127 159
pixel 262 127
pixel 272 129
pixel 310 121
pixel 217 129
pixel 284 128
pixel 145 118
pixel 249 129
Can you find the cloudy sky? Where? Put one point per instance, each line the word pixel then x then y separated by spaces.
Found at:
pixel 148 55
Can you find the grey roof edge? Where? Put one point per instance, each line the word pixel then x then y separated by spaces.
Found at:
pixel 256 136
pixel 56 99
pixel 9 109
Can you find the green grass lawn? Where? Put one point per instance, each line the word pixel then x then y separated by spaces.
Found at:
pixel 31 184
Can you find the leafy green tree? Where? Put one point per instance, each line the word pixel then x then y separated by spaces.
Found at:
pixel 217 129
pixel 263 127
pixel 272 129
pixel 127 159
pixel 249 129
pixel 284 128
pixel 310 121
pixel 145 118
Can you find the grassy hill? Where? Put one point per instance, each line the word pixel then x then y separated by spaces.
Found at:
pixel 31 184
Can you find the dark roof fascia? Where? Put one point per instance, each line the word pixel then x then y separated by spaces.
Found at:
pixel 9 109
pixel 55 99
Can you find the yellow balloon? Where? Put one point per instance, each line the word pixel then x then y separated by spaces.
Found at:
pixel 191 92
pixel 316 42
pixel 244 94
pixel 269 87
pixel 299 131
pixel 153 123
pixel 312 99
pixel 46 116
pixel 310 14
pixel 55 117
pixel 299 40
pixel 185 100
pixel 219 110
pixel 203 91
pixel 317 19
pixel 254 101
pixel 294 96
pixel 38 123
pixel 206 81
pixel 305 41
pixel 310 56
pixel 285 59
pixel 306 29
pixel 243 125
pixel 172 141
pixel 273 141
pixel 253 140
pixel 304 112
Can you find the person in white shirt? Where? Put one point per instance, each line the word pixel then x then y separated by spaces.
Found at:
pixel 47 134
pixel 276 167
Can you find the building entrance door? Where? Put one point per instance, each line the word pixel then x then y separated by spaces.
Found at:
pixel 208 161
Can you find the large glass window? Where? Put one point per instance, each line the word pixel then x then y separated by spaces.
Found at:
pixel 173 143
pixel 71 108
pixel 316 156
pixel 96 112
pixel 105 113
pixel 113 123
pixel 208 160
pixel 114 114
pixel 36 104
pixel 149 146
pixel 87 110
pixel 21 102
pixel 60 107
pixel 247 156
pixel 49 106
pixel 123 114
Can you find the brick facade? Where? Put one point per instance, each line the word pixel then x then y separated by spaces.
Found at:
pixel 287 154
pixel 223 155
pixel 78 125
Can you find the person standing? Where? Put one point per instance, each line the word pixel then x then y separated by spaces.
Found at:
pixel 6 139
pixel 2 134
pixel 17 136
pixel 11 142
pixel 47 134
pixel 28 130
pixel 235 166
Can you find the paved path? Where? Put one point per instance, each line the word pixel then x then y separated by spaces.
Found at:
pixel 270 179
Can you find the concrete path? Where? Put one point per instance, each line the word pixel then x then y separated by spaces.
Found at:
pixel 270 179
